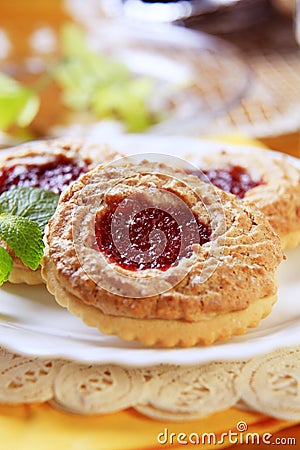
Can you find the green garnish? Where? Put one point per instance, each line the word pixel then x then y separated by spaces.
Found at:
pixel 5 266
pixel 37 205
pixel 24 213
pixel 89 82
pixel 18 104
pixel 24 237
pixel 92 82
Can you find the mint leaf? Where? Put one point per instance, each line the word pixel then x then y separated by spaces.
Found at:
pixel 5 266
pixel 18 104
pixel 24 237
pixel 37 205
pixel 24 213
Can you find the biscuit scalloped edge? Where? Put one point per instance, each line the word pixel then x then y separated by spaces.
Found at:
pixel 164 333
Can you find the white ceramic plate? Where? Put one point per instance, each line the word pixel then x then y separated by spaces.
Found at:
pixel 32 323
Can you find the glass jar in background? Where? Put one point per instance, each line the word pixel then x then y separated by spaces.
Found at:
pixel 286 7
pixel 297 20
pixel 212 16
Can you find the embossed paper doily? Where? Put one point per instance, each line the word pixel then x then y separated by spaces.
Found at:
pixel 269 384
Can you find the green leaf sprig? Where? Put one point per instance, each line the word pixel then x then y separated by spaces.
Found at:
pixel 89 82
pixel 6 265
pixel 98 84
pixel 24 213
pixel 18 104
pixel 24 237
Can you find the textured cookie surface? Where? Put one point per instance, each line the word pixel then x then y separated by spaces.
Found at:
pixel 51 165
pixel 273 186
pixel 224 275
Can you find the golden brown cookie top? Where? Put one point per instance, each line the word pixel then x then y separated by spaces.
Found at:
pixel 50 164
pixel 110 247
pixel 271 183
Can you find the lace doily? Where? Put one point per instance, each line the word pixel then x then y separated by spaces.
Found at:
pixel 269 384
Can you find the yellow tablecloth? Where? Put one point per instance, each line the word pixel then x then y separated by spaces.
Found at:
pixel 41 427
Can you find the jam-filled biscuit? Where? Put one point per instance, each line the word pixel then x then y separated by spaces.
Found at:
pixel 151 254
pixel 51 165
pixel 271 183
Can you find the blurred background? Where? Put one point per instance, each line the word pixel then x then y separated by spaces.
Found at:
pixel 199 67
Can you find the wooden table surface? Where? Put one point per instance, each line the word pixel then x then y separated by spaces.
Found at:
pixel 19 18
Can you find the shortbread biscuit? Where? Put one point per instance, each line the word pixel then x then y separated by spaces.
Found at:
pixel 270 182
pixel 100 262
pixel 51 165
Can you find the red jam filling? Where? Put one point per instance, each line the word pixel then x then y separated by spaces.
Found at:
pixel 234 179
pixel 54 176
pixel 139 233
